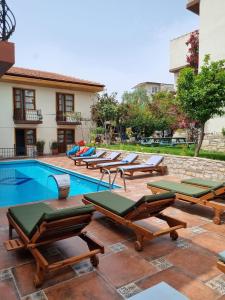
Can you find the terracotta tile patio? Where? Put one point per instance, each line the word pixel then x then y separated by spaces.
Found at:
pixel 188 264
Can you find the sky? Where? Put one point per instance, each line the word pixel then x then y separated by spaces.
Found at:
pixel 115 42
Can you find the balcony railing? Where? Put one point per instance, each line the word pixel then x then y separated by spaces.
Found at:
pixel 18 152
pixel 28 116
pixel 68 118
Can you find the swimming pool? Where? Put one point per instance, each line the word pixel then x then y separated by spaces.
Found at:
pixel 28 181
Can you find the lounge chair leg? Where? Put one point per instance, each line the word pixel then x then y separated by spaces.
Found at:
pixel 138 245
pixel 217 216
pixel 174 235
pixel 94 261
pixel 39 276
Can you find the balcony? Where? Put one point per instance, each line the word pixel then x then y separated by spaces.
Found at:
pixel 194 6
pixel 28 116
pixel 68 118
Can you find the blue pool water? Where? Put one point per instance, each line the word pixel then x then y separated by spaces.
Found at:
pixel 29 181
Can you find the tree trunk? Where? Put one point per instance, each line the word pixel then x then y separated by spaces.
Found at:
pixel 201 137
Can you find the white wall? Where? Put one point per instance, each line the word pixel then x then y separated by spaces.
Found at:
pixel 178 52
pixel 212 29
pixel 212 41
pixel 46 101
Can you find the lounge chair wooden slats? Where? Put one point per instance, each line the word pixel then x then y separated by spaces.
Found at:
pixel 209 197
pixel 43 226
pixel 151 165
pixel 78 160
pixel 126 212
pixel 126 161
pixel 111 157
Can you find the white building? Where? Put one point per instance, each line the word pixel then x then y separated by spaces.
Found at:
pixel 36 105
pixel 154 87
pixel 211 41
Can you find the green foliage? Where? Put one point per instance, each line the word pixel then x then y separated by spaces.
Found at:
pixel 178 150
pixel 105 109
pixel 138 97
pixel 202 95
pixel 223 131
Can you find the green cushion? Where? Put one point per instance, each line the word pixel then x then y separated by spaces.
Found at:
pixel 28 216
pixel 67 213
pixel 120 205
pixel 204 182
pixel 185 189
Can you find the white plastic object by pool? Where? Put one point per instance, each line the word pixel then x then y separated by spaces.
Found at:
pixel 63 185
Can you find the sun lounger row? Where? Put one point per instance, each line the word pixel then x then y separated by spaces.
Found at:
pixel 196 190
pixel 39 225
pixel 127 166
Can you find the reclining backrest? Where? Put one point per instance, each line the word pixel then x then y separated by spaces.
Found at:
pixel 154 160
pixel 130 158
pixel 89 152
pixel 99 153
pixel 60 222
pixel 113 155
pixel 153 199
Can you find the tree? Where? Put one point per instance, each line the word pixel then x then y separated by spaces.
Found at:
pixel 105 112
pixel 105 109
pixel 139 96
pixel 202 95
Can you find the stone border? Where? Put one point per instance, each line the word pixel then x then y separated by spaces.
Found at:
pixel 186 166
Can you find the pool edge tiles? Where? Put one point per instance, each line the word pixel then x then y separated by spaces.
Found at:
pixel 15 194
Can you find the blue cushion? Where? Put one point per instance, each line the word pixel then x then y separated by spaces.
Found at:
pixel 73 150
pixel 89 152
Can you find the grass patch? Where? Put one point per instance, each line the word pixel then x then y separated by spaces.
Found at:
pixel 177 150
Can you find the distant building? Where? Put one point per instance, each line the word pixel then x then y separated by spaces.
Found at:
pixel 154 87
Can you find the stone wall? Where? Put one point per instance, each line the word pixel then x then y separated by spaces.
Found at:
pixel 214 142
pixel 185 167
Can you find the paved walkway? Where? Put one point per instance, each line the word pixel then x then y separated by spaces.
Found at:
pixel 189 264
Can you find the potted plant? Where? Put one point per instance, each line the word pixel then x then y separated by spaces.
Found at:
pixel 54 148
pixel 40 147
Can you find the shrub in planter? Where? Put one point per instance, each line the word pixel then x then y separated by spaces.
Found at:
pixel 40 147
pixel 54 148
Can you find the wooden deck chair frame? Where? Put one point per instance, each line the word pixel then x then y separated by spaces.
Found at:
pixel 78 161
pixel 162 170
pixel 94 163
pixel 208 200
pixel 221 266
pixel 144 211
pixel 49 232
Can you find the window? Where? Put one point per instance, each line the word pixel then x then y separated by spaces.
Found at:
pixel 154 89
pixel 65 102
pixel 30 136
pixel 24 99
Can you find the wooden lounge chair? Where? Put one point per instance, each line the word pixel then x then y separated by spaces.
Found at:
pixel 204 183
pixel 38 224
pixel 221 261
pixel 78 160
pixel 194 194
pixel 125 212
pixel 128 160
pixel 151 165
pixel 109 158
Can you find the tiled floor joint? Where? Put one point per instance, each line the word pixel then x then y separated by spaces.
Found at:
pixel 217 284
pixel 129 290
pixel 161 263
